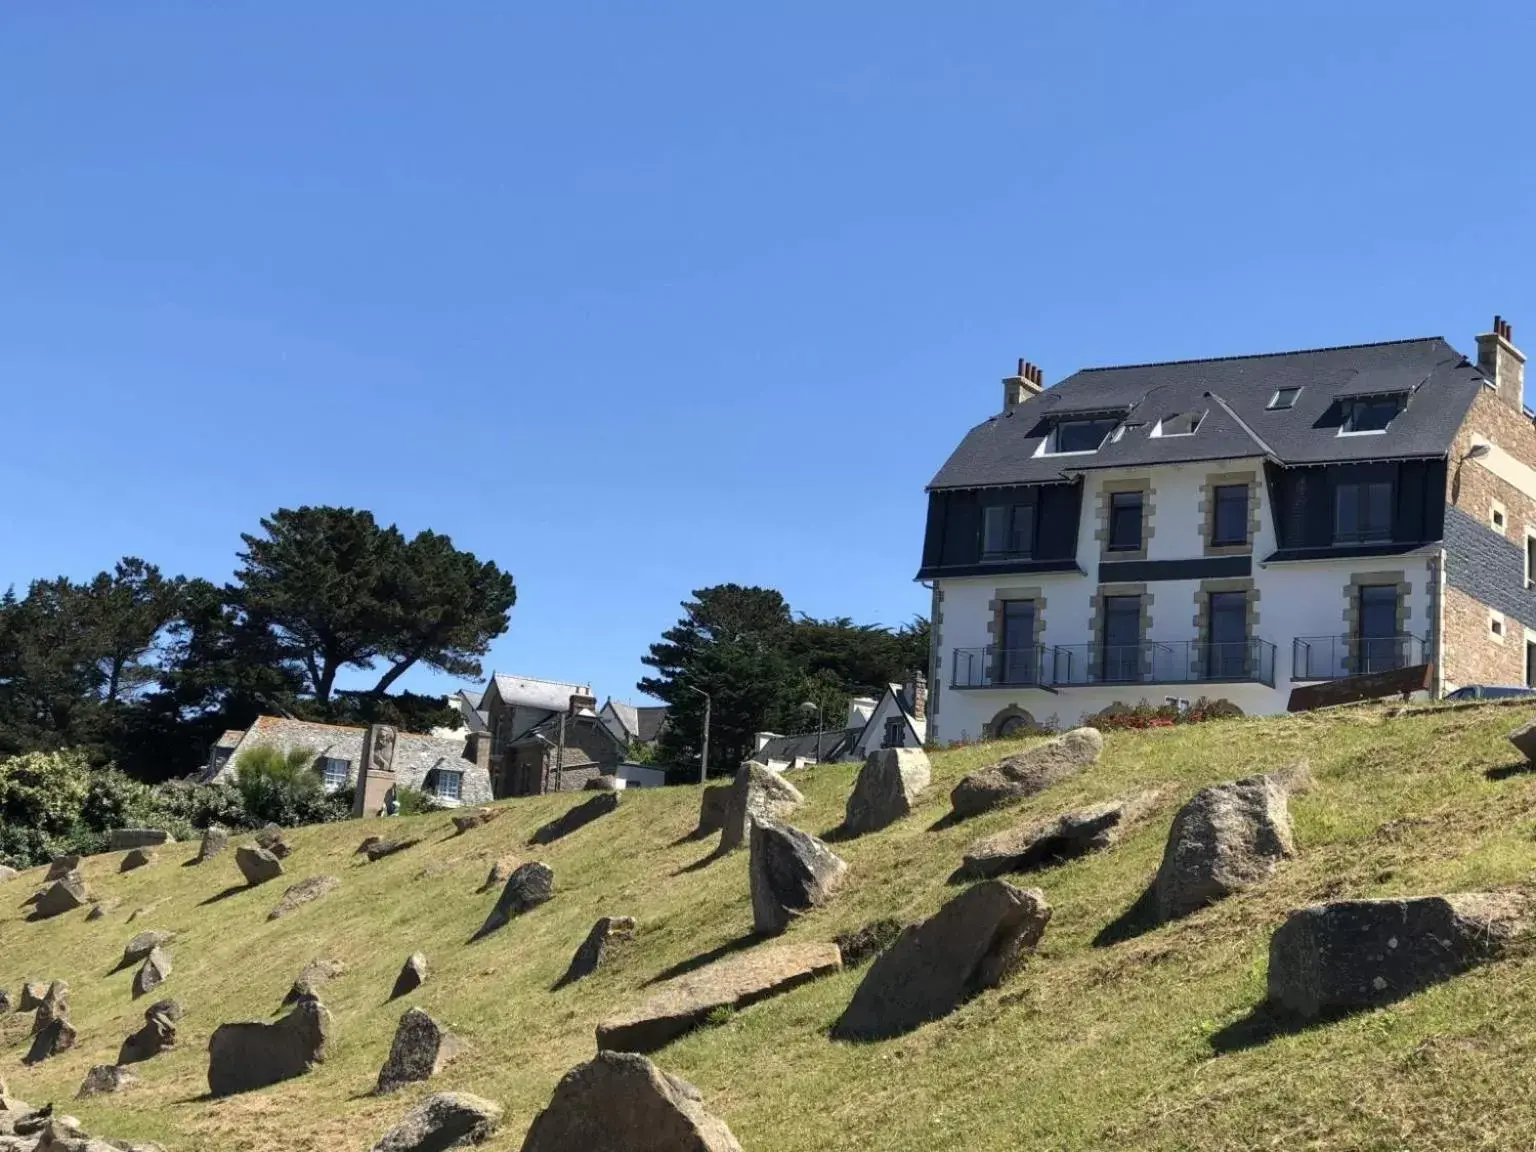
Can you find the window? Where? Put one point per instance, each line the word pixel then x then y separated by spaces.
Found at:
pixel 1082 435
pixel 1530 558
pixel 333 772
pixel 1284 398
pixel 1227 641
pixel 1496 626
pixel 1362 513
pixel 1497 517
pixel 1018 664
pixel 1008 531
pixel 1184 424
pixel 895 732
pixel 1377 642
pixel 1229 523
pixel 1124 521
pixel 1369 414
pixel 444 784
pixel 1530 664
pixel 1122 638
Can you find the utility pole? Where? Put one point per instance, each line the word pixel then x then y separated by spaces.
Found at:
pixel 560 758
pixel 704 751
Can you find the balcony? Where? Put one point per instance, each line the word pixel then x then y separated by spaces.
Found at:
pixel 1331 657
pixel 1149 662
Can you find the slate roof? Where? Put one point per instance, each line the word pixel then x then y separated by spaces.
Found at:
pixel 642 722
pixel 834 742
pixel 1234 392
pixel 548 695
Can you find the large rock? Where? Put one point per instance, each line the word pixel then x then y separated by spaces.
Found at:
pixel 971 943
pixel 104 1078
pixel 136 858
pixel 1352 954
pixel 792 873
pixel 606 936
pixel 143 944
pixel 215 840
pixel 413 974
pixel 447 1120
pixel 1028 773
pixel 621 1102
pixel 1226 838
pixel 306 891
pixel 683 1003
pixel 528 887
pixel 758 793
pixel 257 865
pixel 274 840
pixel 500 873
pixel 156 1036
pixel 421 1049
pixel 62 866
pixel 1524 740
pixel 578 817
pixel 1048 842
pixel 52 1005
pixel 251 1055
pixel 32 994
pixel 713 805
pixel 382 848
pixel 60 897
pixel 311 978
pixel 121 839
pixel 58 1036
pixel 887 787
pixel 467 821
pixel 152 973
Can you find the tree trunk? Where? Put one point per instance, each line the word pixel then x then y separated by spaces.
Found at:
pixel 394 673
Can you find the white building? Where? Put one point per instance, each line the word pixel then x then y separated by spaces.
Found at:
pixel 1230 528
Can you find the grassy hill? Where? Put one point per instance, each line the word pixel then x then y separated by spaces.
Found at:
pixel 1120 1047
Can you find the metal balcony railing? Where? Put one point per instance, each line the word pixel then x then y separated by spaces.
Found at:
pixel 1148 662
pixel 1330 657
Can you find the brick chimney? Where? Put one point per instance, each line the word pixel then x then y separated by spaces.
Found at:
pixel 1503 363
pixel 1029 382
pixel 916 689
pixel 581 702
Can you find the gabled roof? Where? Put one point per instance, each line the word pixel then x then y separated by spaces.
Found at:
pixel 548 695
pixel 1234 392
pixel 831 744
pixel 640 722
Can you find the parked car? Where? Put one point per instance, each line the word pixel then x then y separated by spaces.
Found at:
pixel 1490 692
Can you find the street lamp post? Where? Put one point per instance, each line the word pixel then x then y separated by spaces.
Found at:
pixel 704 750
pixel 810 706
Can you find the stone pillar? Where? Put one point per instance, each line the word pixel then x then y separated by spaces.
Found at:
pixel 376 773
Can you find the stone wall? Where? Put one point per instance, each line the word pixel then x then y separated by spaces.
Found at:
pixel 1473 654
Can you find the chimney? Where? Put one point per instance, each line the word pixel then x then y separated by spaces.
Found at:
pixel 478 749
pixel 581 702
pixel 1503 363
pixel 1029 382
pixel 916 690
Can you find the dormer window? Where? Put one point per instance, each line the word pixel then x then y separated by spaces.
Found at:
pixel 1184 424
pixel 1284 398
pixel 1366 414
pixel 1008 531
pixel 1082 435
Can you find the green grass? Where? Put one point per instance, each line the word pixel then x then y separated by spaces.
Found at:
pixel 1085 1048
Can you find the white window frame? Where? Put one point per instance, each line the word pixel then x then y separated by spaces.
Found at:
pixel 1497 627
pixel 437 785
pixel 325 763
pixel 1498 517
pixel 1274 404
pixel 1530 535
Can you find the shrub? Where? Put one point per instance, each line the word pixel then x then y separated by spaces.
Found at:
pixel 415 802
pixel 1119 717
pixel 282 787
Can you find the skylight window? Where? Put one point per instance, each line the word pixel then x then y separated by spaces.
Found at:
pixel 1184 424
pixel 1084 435
pixel 1284 398
pixel 1369 414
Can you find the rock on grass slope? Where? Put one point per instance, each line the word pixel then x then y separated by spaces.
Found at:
pixel 1150 1043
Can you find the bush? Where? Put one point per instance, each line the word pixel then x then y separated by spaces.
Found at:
pixel 415 802
pixel 1120 717
pixel 279 787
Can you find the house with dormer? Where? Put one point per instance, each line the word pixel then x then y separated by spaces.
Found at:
pixel 1233 527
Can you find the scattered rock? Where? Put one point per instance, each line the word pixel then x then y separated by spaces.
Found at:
pixel 1295 778
pixel 144 911
pixel 683 1003
pixel 156 1036
pixel 412 975
pixel 1050 842
pixel 1524 740
pixel 60 897
pixel 528 887
pixel 421 1049
pixel 271 837
pixel 257 865
pixel 384 848
pixel 578 817
pixel 1348 955
pixel 7 873
pixel 31 996
pixel 312 977
pixel 465 821
pixel 446 1120
pixel 887 787
pixel 792 873
pixel 971 943
pixel 100 908
pixel 1227 837
pixel 603 783
pixel 757 793
pixel 304 892
pixel 215 840
pixel 500 873
pixel 58 1036
pixel 143 944
pixel 5 1006
pixel 121 839
pixel 621 1102
pixel 104 1078
pixel 607 936
pixel 152 973
pixel 864 944
pixel 368 842
pixel 61 867
pixel 54 1005
pixel 713 805
pixel 251 1055
pixel 1028 773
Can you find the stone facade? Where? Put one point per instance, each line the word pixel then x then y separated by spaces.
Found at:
pixel 1207 511
pixel 1472 654
pixel 1148 526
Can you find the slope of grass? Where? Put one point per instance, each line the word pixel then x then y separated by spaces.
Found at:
pixel 1125 1046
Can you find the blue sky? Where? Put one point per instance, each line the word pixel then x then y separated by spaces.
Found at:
pixel 634 299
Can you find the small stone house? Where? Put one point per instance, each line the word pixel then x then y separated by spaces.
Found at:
pixel 441 767
pixel 546 736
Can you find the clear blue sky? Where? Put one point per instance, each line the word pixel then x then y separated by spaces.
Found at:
pixel 637 298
